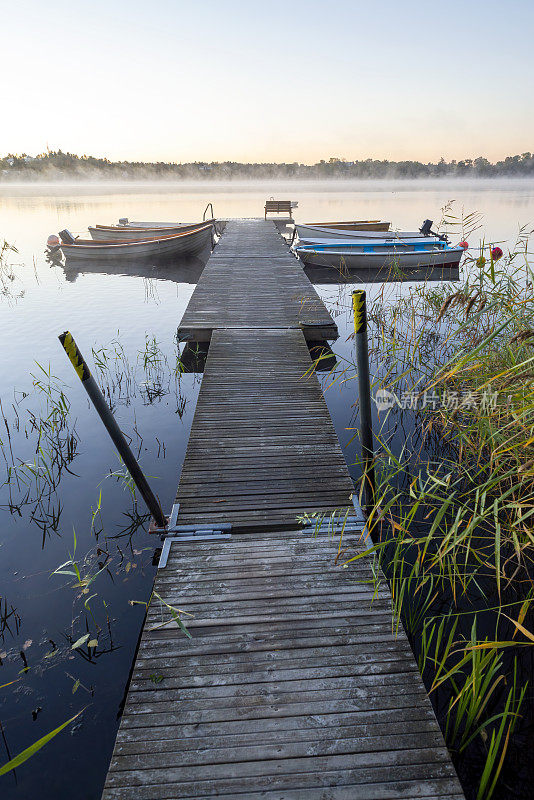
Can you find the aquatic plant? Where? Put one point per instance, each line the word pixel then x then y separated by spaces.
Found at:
pixel 10 285
pixel 150 374
pixel 452 522
pixel 9 619
pixel 41 422
pixel 30 751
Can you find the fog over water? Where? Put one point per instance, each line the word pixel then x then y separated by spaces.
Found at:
pixel 504 203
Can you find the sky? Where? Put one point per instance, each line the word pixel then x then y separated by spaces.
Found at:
pixel 242 80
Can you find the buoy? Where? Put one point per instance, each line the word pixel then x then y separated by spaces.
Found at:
pixel 53 240
pixel 464 245
pixel 496 253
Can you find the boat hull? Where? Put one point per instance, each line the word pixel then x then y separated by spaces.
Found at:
pixel 121 233
pixel 136 224
pixel 178 245
pixel 315 232
pixel 356 243
pixel 393 259
pixel 353 225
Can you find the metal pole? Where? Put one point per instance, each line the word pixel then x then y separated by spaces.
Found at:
pixel 359 308
pixel 98 400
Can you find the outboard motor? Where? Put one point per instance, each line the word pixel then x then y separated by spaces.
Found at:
pixel 426 230
pixel 67 237
pixel 123 221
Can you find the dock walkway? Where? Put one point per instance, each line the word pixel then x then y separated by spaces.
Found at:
pixel 293 685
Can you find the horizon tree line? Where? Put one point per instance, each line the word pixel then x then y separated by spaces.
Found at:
pixel 58 164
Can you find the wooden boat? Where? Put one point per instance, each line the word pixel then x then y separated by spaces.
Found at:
pixel 187 243
pixel 370 254
pixel 123 233
pixel 353 225
pixel 313 233
pixel 336 243
pixel 126 223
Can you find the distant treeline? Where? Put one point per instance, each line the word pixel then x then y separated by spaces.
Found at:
pixel 62 166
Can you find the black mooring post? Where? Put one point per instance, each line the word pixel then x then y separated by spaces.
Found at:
pixel 97 398
pixel 359 308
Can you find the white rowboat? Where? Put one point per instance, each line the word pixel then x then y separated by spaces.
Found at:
pixel 316 233
pixel 188 243
pixel 134 224
pixel 353 225
pixel 122 233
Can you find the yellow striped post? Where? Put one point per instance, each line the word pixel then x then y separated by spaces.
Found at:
pixel 359 307
pixel 104 411
pixel 360 311
pixel 75 357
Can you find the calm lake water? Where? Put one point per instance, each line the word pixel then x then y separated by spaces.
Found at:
pixel 84 511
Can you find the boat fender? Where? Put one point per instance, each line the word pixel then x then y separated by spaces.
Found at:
pixel 67 237
pixel 53 241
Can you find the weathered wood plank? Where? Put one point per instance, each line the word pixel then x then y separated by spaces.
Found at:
pixel 416 789
pixel 161 757
pixel 413 719
pixel 389 790
pixel 288 773
pixel 367 736
pixel 176 678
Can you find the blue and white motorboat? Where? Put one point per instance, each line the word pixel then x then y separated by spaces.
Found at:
pixel 379 254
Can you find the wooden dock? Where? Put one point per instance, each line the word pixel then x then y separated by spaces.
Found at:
pixel 293 685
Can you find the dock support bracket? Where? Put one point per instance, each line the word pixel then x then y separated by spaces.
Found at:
pixel 189 533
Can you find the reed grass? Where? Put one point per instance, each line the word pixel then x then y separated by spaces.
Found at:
pixel 11 288
pixel 452 523
pixel 38 437
pixel 34 748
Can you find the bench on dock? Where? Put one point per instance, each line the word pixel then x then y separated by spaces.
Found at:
pixel 277 207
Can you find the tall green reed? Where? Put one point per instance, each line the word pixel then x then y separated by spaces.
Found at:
pixel 453 519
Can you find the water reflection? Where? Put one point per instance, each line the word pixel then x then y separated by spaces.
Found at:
pixel 331 275
pixel 184 271
pixel 193 357
pixel 324 358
